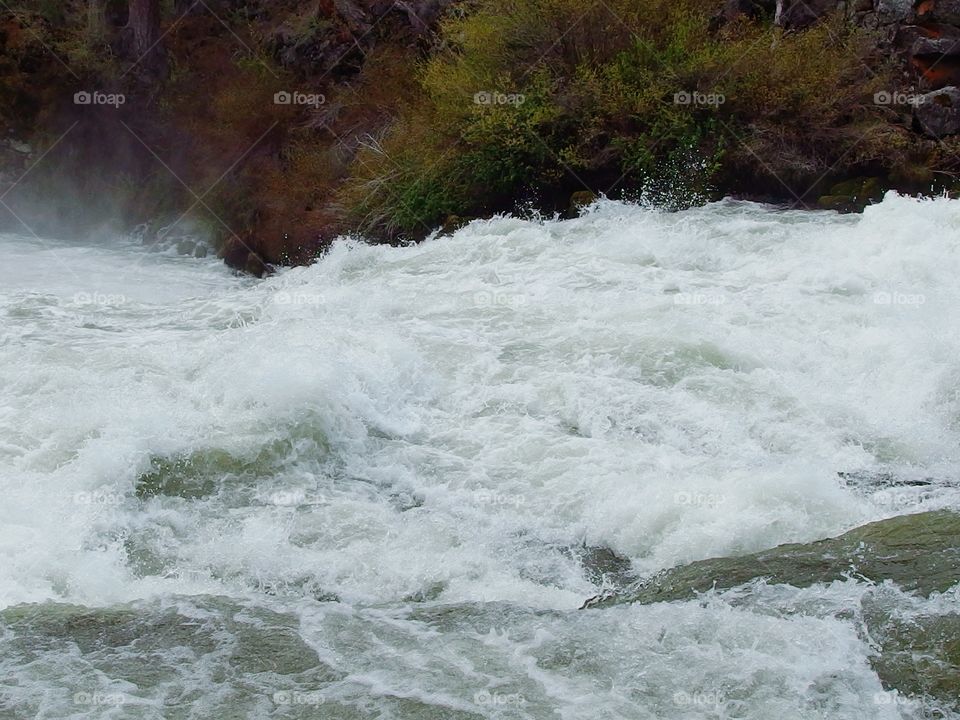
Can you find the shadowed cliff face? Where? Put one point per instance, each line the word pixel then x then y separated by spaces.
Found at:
pixel 256 122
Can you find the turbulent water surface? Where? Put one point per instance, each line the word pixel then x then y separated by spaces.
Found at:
pixel 383 486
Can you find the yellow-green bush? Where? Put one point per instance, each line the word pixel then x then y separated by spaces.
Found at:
pixel 599 85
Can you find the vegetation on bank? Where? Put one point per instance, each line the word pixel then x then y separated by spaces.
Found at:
pixel 550 96
pixel 434 111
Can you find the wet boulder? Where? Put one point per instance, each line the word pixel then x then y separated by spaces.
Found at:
pixel 580 200
pixel 920 553
pixel 918 655
pixel 938 113
pixel 853 195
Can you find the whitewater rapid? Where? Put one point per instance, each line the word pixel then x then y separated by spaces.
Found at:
pixel 396 459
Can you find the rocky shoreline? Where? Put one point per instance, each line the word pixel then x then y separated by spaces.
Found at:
pixel 276 127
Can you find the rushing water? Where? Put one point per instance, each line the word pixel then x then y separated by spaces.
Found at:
pixel 383 486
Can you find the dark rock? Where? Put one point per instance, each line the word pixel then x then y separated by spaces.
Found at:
pixel 934 51
pixel 912 176
pixel 234 253
pixel 453 223
pixel 945 11
pixel 423 15
pixel 580 200
pixel 799 14
pixel 839 203
pixel 873 190
pixel 603 567
pixel 883 480
pixel 939 46
pixel 889 11
pixel 237 254
pixel 938 112
pixel 853 195
pixel 256 266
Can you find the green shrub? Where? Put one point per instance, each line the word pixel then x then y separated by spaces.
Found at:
pixel 599 86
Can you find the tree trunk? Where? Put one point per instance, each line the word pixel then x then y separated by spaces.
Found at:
pixel 145 23
pixel 96 20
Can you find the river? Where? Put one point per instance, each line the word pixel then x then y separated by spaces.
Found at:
pixel 382 486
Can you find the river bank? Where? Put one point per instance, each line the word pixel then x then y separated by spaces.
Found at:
pixel 269 129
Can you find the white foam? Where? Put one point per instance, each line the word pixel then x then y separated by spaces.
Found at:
pixel 447 418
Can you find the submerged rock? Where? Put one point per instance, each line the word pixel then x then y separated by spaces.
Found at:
pixel 920 553
pixel 159 653
pixel 604 567
pixel 917 655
